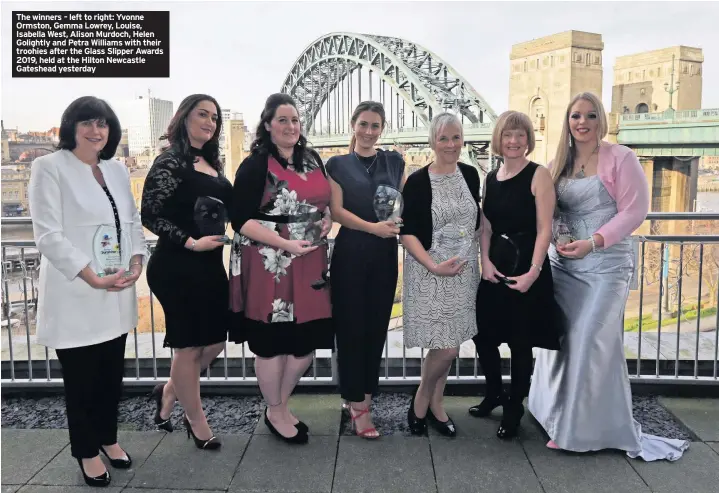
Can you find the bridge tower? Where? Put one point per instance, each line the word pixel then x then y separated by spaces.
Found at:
pixel 647 82
pixel 545 74
pixel 662 82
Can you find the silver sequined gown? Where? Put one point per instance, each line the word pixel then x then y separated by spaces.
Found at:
pixel 581 394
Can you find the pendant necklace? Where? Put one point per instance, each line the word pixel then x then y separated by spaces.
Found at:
pixel 580 174
pixel 360 161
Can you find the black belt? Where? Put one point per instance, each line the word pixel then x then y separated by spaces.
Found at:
pixel 286 219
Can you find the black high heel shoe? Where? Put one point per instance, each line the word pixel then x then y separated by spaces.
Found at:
pixel 211 443
pixel 418 426
pixel 300 438
pixel 98 481
pixel 488 404
pixel 510 420
pixel 301 427
pixel 119 463
pixel 156 395
pixel 446 428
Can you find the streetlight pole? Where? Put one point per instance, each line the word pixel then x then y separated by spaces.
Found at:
pixel 671 88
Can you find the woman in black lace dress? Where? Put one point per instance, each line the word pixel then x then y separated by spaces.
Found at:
pixel 185 202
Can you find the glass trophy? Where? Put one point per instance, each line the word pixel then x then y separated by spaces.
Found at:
pixel 455 241
pixel 388 204
pixel 308 225
pixel 211 218
pixel 111 253
pixel 562 234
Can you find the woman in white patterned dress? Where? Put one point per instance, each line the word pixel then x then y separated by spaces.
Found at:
pixel 441 272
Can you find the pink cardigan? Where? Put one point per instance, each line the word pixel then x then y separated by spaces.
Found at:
pixel 624 179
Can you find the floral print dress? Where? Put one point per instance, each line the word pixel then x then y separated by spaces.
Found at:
pixel 271 289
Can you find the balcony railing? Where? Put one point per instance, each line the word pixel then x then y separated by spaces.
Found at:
pixel 672 116
pixel 670 331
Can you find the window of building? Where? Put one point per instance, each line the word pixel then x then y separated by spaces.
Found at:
pixel 659 72
pixel 536 113
pixel 642 108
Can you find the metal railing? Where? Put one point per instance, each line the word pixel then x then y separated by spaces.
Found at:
pixel 673 338
pixel 672 116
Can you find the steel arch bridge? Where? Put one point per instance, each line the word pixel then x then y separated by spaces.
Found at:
pixel 412 82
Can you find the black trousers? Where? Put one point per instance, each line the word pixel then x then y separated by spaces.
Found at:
pixel 521 372
pixel 93 384
pixel 364 281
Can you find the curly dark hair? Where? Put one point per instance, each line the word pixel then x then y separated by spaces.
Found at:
pixel 263 141
pixel 178 138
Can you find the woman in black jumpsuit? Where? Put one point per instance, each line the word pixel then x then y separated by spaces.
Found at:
pixel 364 262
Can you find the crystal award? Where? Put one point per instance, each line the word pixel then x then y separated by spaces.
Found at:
pixel 211 218
pixel 111 251
pixel 388 204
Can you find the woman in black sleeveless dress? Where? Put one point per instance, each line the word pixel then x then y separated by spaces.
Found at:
pixel 185 202
pixel 515 299
pixel 364 262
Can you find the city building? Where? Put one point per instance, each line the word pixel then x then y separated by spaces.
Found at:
pixel 146 119
pixel 5 143
pixel 545 74
pixel 123 148
pixel 235 145
pixel 227 116
pixel 647 82
pixel 137 182
pixel 15 181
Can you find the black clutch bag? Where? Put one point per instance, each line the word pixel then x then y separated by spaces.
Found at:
pixel 511 253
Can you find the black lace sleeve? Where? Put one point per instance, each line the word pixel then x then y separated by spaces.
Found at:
pixel 248 189
pixel 158 195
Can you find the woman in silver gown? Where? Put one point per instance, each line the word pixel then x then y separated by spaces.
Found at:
pixel 581 394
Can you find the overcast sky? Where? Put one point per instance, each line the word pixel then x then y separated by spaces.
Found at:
pixel 240 52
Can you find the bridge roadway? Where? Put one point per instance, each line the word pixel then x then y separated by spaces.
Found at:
pixel 473 133
pixel 670 133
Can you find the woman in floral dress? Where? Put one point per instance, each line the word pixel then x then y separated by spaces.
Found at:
pixel 277 274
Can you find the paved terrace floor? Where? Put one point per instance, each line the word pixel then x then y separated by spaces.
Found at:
pixel 39 461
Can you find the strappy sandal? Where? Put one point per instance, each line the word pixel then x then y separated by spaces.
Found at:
pixel 368 433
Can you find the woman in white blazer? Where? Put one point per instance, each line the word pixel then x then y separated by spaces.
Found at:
pixel 83 316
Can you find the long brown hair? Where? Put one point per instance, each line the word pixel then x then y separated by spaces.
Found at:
pixel 565 152
pixel 178 138
pixel 372 106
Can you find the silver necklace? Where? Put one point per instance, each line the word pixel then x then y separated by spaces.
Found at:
pixel 360 161
pixel 580 174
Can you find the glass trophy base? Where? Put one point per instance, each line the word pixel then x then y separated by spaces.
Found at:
pixel 565 240
pixel 109 272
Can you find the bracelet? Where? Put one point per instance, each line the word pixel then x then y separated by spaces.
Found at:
pixel 192 246
pixel 538 267
pixel 594 244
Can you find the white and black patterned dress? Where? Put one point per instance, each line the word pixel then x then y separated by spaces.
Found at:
pixel 439 312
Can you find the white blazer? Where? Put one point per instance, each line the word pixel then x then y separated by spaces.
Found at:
pixel 67 205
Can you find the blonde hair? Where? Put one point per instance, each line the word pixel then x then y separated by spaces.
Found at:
pixel 512 120
pixel 565 153
pixel 440 121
